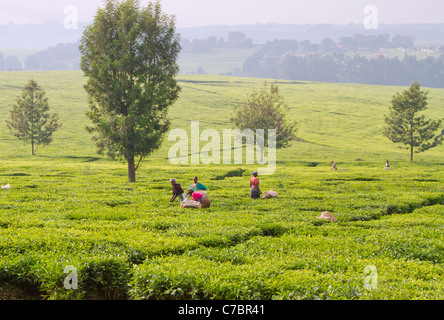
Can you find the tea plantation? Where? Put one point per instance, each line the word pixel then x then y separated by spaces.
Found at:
pixel 71 209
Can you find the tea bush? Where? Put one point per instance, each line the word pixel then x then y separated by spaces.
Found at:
pixel 67 207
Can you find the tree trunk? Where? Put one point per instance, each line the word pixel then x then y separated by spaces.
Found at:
pixel 32 147
pixel 131 169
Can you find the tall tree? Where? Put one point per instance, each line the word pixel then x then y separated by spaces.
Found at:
pixel 129 56
pixel 404 125
pixel 265 109
pixel 30 120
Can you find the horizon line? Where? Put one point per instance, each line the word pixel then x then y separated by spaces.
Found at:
pixel 11 23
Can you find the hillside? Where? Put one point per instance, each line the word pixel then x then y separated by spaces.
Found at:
pixel 335 120
pixel 72 227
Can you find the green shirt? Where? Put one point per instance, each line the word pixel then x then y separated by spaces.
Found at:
pixel 198 186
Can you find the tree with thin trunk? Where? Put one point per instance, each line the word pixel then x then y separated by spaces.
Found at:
pixel 406 126
pixel 30 120
pixel 262 110
pixel 129 56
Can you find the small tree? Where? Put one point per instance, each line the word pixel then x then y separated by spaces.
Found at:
pixel 265 109
pixel 30 119
pixel 129 57
pixel 405 126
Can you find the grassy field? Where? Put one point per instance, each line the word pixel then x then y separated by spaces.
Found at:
pixel 218 61
pixel 67 206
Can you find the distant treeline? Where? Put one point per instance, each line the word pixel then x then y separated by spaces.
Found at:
pixel 235 40
pixel 373 42
pixel 64 56
pixel 327 61
pixel 10 63
pixel 331 62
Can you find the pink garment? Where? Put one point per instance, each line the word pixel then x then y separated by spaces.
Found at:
pixel 254 182
pixel 197 196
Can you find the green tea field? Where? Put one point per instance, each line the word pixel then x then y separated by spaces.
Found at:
pixel 69 208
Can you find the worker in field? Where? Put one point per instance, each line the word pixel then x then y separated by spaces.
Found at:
pixel 197 186
pixel 177 191
pixel 255 191
pixel 200 197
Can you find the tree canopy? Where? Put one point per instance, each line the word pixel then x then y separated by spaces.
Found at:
pixel 263 110
pixel 129 56
pixel 30 120
pixel 405 126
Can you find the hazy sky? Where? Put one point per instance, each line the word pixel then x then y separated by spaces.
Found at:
pixel 232 12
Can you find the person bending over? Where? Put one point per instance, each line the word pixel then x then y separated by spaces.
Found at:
pixel 177 191
pixel 200 197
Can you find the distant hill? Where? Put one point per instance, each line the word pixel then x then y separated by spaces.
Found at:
pixel 389 55
pixel 39 36
pixel 261 33
pixel 43 36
